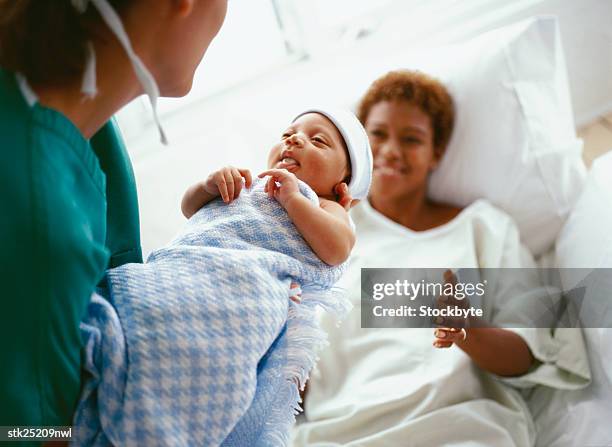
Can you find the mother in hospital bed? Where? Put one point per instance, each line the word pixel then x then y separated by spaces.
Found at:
pixel 400 386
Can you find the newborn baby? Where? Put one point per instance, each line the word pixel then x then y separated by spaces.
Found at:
pixel 326 151
pixel 204 344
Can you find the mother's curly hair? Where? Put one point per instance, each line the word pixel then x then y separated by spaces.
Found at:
pixel 419 89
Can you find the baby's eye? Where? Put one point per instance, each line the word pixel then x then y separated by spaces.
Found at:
pixel 286 135
pixel 321 141
pixel 377 133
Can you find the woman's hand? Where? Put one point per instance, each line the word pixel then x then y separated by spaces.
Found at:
pixel 227 182
pixel 496 350
pixel 450 330
pixel 344 196
pixel 282 185
pixel 445 337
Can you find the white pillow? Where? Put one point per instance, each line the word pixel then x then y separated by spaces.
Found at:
pixel 586 238
pixel 583 417
pixel 514 141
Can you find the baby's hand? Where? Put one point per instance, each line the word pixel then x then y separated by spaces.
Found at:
pixel 288 188
pixel 227 182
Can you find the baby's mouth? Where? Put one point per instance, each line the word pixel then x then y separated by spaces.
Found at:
pixel 289 164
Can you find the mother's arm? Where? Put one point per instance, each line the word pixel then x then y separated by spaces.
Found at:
pixel 495 350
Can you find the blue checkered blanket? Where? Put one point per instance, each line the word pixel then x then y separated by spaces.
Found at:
pixel 201 345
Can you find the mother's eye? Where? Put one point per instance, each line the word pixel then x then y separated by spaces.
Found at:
pixel 411 140
pixel 377 133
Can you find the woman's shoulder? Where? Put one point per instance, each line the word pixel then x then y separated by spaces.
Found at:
pixel 489 218
pixel 497 237
pixel 479 212
pixel 485 210
pixel 489 225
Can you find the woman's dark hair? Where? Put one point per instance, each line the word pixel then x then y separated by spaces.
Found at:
pixel 419 89
pixel 46 40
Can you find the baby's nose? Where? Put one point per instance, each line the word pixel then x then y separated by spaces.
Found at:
pixel 295 140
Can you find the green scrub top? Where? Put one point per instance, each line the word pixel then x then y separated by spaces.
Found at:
pixel 68 211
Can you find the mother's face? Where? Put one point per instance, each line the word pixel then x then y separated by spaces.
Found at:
pixel 401 137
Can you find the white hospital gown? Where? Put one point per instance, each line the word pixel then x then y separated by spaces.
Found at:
pixel 391 387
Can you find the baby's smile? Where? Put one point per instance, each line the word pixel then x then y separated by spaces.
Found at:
pixel 287 161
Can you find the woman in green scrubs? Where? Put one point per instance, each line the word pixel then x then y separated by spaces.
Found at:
pixel 68 202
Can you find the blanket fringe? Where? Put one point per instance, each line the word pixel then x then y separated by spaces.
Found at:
pixel 304 338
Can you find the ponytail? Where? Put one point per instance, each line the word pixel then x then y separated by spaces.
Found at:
pixel 46 40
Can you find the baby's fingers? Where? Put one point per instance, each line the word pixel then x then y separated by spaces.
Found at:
pixel 271 187
pixel 220 182
pixel 280 174
pixel 248 179
pixel 229 181
pixel 237 180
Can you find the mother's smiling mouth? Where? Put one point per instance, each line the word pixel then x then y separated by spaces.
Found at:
pixel 386 169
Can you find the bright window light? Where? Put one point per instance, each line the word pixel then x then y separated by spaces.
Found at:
pixel 250 42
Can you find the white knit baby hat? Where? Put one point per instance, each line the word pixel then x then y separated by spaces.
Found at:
pixel 358 146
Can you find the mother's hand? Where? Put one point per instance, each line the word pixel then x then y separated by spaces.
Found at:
pixel 447 336
pixel 450 330
pixel 344 196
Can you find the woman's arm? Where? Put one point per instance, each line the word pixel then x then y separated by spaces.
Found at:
pixel 326 227
pixel 496 350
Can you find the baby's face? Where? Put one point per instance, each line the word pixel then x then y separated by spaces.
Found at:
pixel 314 150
